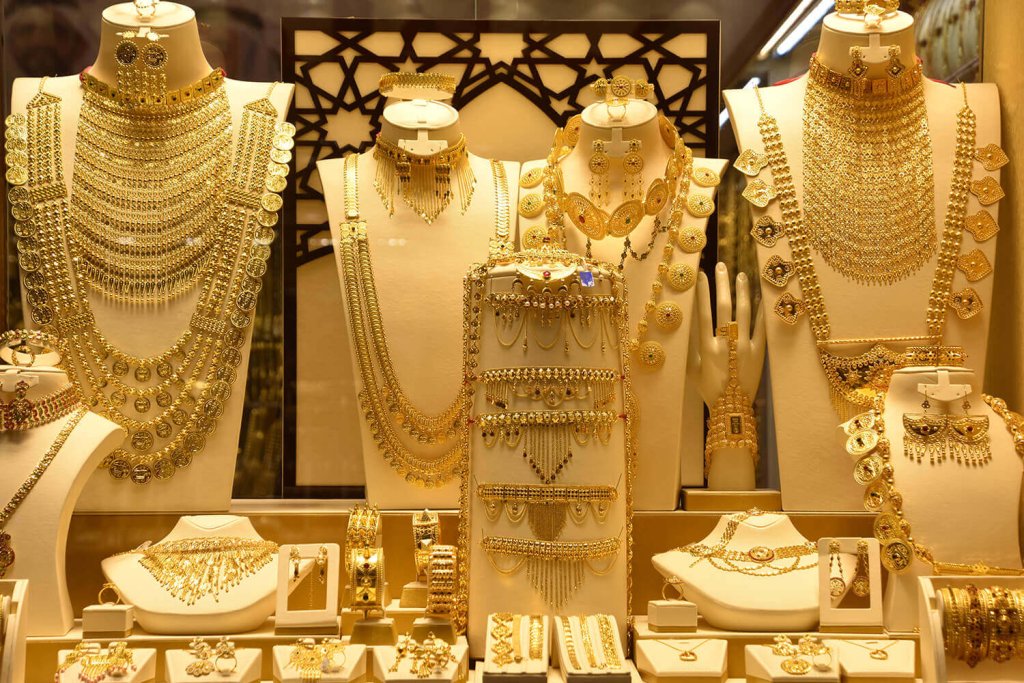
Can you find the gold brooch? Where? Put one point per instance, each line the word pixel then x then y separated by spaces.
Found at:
pixel 789 308
pixel 759 193
pixel 767 231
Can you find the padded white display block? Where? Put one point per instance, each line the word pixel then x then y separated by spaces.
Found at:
pixel 764 666
pixel 832 615
pixel 12 659
pixel 936 667
pixel 858 666
pixel 527 668
pixel 671 616
pixel 247 667
pixel 660 661
pixel 107 621
pixel 352 671
pixel 384 659
pixel 143 660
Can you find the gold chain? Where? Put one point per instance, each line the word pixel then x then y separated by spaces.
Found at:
pixel 761 557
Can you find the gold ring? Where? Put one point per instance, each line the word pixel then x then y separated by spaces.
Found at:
pixel 110 587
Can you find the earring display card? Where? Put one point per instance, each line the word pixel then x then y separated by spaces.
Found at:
pixel 307 588
pixel 518 648
pixel 141 670
pixel 694 660
pixel 764 666
pixel 289 670
pixel 849 584
pixel 876 661
pixel 244 669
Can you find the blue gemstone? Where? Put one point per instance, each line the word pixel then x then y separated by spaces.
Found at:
pixel 586 278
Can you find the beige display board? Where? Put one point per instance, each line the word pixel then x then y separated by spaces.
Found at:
pixel 515 82
pixel 814 474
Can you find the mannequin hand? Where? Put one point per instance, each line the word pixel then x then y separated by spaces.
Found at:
pixel 710 353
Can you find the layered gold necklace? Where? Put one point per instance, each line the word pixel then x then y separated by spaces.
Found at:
pixel 759 560
pixel 171 402
pixel 868 188
pixel 855 380
pixel 385 405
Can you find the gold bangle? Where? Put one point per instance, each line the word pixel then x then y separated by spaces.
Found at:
pixel 441 581
pixel 863 6
pixel 362 531
pixel 367 578
pixel 417 85
pixel 426 532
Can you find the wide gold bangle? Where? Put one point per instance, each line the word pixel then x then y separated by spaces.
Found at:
pixel 442 575
pixel 417 85
pixel 367 578
pixel 362 532
pixel 426 532
pixel 863 6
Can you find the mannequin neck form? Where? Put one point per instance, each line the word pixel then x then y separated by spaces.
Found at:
pixel 192 526
pixel 904 384
pixel 186 62
pixel 406 120
pixel 50 380
pixel 639 123
pixel 766 529
pixel 839 33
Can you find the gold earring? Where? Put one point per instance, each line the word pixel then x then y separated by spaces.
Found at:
pixel 321 564
pixel 895 68
pixel 924 435
pixel 295 558
pixel 968 438
pixel 836 582
pixel 599 174
pixel 862 576
pixel 858 68
pixel 633 167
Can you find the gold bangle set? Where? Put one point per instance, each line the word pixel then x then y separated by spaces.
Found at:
pixel 602 652
pixel 427 658
pixel 982 623
pixel 442 581
pixel 506 632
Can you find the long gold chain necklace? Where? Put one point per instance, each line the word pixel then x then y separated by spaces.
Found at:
pixel 760 558
pixel 424 181
pixel 869 189
pixel 854 381
pixel 875 469
pixel 194 376
pixel 384 402
pixel 148 186
pixel 189 569
pixel 7 555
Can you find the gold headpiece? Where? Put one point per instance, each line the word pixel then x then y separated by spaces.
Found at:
pixel 416 85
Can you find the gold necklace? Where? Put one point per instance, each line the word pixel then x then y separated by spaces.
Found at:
pixel 195 374
pixel 189 569
pixel 878 653
pixel 142 229
pixel 722 558
pixel 876 471
pixel 869 190
pixel 854 381
pixel 685 654
pixel 7 555
pixel 381 396
pixel 546 507
pixel 424 181
pixel 20 413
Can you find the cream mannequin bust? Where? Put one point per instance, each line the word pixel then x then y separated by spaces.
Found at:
pixel 418 271
pixel 660 392
pixel 813 476
pixel 148 330
pixel 242 608
pixel 735 601
pixel 962 514
pixel 731 469
pixel 39 527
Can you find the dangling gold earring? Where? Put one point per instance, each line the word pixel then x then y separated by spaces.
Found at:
pixel 862 577
pixel 924 435
pixel 858 68
pixel 968 438
pixel 321 564
pixel 295 558
pixel 599 174
pixel 836 582
pixel 895 68
pixel 633 168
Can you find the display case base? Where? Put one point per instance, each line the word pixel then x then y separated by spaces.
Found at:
pixel 374 631
pixel 414 595
pixel 333 629
pixel 706 500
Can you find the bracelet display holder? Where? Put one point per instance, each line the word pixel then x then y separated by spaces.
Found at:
pixel 861 619
pixel 352 671
pixel 414 595
pixel 584 671
pixel 764 666
pixel 248 662
pixel 12 636
pixel 315 620
pixel 936 667
pixel 528 669
pixel 441 627
pixel 658 663
pixel 858 666
pixel 455 672
pixel 107 621
pixel 143 658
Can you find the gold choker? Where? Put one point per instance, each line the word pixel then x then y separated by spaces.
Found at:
pixel 182 95
pixel 424 181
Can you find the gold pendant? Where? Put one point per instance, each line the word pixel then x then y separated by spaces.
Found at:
pixel 705 177
pixel 767 231
pixel 789 308
pixel 531 205
pixel 966 303
pixel 992 157
pixel 750 162
pixel 981 225
pixel 836 587
pixel 680 277
pixel 531 178
pixel 974 264
pixel 759 193
pixel 777 271
pixel 987 190
pixel 888 526
pixel 868 469
pixel 897 556
pixel 700 205
pixel 861 443
pixel 795 666
pixel 668 316
pixel 691 240
pixel 880 655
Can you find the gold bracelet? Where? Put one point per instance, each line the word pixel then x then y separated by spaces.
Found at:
pixel 502 635
pixel 588 643
pixel 419 85
pixel 609 639
pixel 517 638
pixel 536 636
pixel 367 572
pixel 863 6
pixel 570 644
pixel 442 574
pixel 426 532
pixel 362 532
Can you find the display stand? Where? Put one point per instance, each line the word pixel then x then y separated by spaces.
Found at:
pixel 704 500
pixel 859 666
pixel 579 662
pixel 441 627
pixel 671 616
pixel 12 658
pixel 247 667
pixel 414 595
pixel 813 474
pixel 662 661
pixel 936 667
pixel 524 667
pixel 143 661
pixel 108 621
pixel 352 671
pixel 374 631
pixel 146 331
pixel 764 666
pixel 834 617
pixel 316 619
pixel 384 659
pixel 242 608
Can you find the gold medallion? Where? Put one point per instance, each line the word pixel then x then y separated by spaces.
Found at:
pixel 789 308
pixel 700 205
pixel 992 157
pixel 657 196
pixel 531 205
pixel 625 218
pixel 691 240
pixel 750 162
pixel 760 553
pixel 651 354
pixel 681 277
pixel 966 303
pixel 531 178
pixel 534 237
pixel 861 443
pixel 777 271
pixel 974 264
pixel 888 526
pixel 859 423
pixel 876 496
pixel 767 231
pixel 981 225
pixel 668 315
pixel 759 193
pixel 987 190
pixel 897 556
pixel 795 666
pixel 868 469
pixel 705 177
